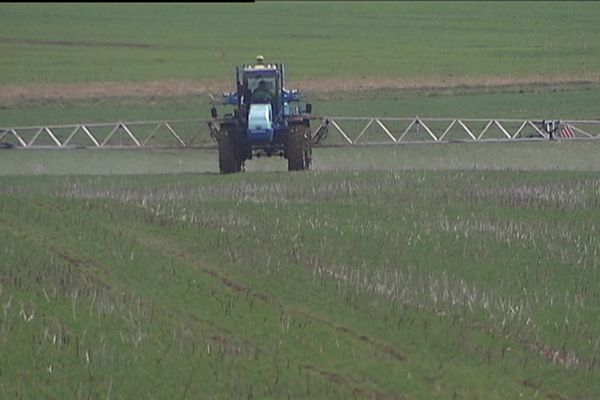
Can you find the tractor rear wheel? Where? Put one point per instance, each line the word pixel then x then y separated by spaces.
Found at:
pixel 229 160
pixel 299 150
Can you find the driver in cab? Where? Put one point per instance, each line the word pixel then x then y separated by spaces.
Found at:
pixel 262 94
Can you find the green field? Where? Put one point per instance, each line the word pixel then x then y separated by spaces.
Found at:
pixel 523 156
pixel 450 59
pixel 447 271
pixel 104 42
pixel 573 102
pixel 384 283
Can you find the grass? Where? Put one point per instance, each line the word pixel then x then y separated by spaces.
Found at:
pixel 108 42
pixel 461 271
pixel 570 102
pixel 523 156
pixel 437 42
pixel 301 285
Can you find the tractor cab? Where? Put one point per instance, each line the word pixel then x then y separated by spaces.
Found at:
pixel 262 83
pixel 261 86
pixel 259 89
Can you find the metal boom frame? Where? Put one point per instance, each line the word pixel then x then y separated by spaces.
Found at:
pixel 197 135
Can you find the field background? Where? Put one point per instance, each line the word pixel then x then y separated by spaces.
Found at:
pixel 100 62
pixel 83 43
pixel 450 271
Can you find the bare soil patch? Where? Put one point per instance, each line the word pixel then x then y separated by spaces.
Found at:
pixel 15 94
pixel 332 85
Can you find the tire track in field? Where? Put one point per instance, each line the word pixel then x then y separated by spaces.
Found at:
pixel 549 394
pixel 332 377
pixel 88 267
pixel 172 248
pixel 357 390
pixel 45 241
pixel 385 348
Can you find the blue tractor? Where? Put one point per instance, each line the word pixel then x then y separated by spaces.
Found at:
pixel 267 120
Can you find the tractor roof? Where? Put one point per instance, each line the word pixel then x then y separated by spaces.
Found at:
pixel 260 67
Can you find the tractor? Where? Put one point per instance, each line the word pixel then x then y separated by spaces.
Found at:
pixel 267 120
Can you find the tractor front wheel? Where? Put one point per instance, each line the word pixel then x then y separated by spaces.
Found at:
pixel 229 156
pixel 299 150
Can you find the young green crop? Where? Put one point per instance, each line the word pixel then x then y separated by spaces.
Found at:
pixel 422 272
pixel 376 283
pixel 120 42
pixel 538 102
